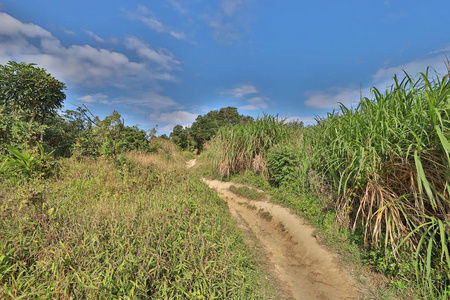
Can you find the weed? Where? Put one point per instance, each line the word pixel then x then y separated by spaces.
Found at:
pixel 265 215
pixel 247 192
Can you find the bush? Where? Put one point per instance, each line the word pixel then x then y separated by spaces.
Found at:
pixel 28 163
pixel 282 164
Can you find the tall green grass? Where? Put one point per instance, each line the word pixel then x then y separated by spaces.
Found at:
pixel 244 146
pixel 385 162
pixel 140 227
pixel 388 160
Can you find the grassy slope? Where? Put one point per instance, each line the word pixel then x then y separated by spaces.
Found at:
pixel 138 227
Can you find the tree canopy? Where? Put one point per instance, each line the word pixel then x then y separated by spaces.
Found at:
pixel 205 127
pixel 29 92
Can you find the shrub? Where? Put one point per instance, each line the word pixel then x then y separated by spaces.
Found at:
pixel 28 163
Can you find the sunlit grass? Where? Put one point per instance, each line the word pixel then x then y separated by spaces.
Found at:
pixel 247 192
pixel 139 227
pixel 244 146
pixel 384 164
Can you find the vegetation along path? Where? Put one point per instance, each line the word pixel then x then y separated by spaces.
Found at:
pixel 303 267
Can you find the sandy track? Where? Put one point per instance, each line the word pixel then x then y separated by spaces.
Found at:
pixel 191 163
pixel 303 267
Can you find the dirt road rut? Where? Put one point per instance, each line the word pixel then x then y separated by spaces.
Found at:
pixel 303 267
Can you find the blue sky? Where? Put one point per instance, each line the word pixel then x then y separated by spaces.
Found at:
pixel 165 62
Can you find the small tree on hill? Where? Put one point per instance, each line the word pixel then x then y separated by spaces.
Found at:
pixel 29 92
pixel 205 127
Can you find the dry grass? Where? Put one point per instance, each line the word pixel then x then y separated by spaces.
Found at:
pixel 137 227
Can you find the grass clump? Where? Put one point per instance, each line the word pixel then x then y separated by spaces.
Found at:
pixel 388 160
pixel 265 215
pixel 244 146
pixel 138 227
pixel 247 192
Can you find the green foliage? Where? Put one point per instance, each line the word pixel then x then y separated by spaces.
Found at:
pixel 108 137
pixel 247 192
pixel 28 163
pixel 15 132
pixel 182 138
pixel 245 146
pixel 282 164
pixel 387 159
pixel 70 132
pixel 432 259
pixel 29 98
pixel 140 228
pixel 29 91
pixel 206 127
pixel 110 130
pixel 250 178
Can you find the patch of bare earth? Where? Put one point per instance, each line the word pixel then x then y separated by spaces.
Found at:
pixel 190 163
pixel 303 267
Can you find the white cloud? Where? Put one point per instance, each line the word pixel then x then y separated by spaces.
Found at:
pixel 385 74
pixel 143 9
pixel 149 100
pixel 161 57
pixel 177 5
pixel 154 24
pixel 229 22
pixel 176 117
pixel 99 98
pixel 82 64
pixel 441 50
pixel 12 27
pixel 230 7
pixel 242 91
pixel 166 129
pixel 68 32
pixel 331 97
pixel 224 32
pixel 382 79
pixel 255 103
pixel 94 36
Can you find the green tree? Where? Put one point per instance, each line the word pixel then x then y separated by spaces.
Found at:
pixel 134 138
pixel 179 136
pixel 71 129
pixel 29 93
pixel 110 130
pixel 205 127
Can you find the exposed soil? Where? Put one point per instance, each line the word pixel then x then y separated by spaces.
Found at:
pixel 303 267
pixel 190 163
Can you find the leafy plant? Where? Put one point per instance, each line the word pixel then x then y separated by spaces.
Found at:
pixel 29 92
pixel 282 164
pixel 432 256
pixel 28 163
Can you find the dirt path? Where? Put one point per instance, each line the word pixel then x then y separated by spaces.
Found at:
pixel 303 267
pixel 191 163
